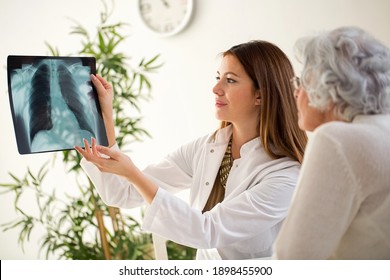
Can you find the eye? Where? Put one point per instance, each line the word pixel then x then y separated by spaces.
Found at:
pixel 217 78
pixel 230 81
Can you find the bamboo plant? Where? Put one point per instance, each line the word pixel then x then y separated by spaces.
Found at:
pixel 82 226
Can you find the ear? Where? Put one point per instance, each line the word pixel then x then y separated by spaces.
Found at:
pixel 258 97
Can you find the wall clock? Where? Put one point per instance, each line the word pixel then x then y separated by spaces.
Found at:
pixel 166 17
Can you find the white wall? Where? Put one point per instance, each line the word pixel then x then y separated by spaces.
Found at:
pixel 182 107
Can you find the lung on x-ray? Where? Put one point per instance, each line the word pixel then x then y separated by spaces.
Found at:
pixel 53 103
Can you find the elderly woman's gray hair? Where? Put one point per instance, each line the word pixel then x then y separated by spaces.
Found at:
pixel 348 67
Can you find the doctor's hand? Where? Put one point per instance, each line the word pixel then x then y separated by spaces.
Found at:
pixel 105 94
pixel 115 162
pixel 108 161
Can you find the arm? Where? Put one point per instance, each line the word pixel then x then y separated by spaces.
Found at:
pixel 253 213
pixel 114 190
pixel 241 217
pixel 117 163
pixel 173 173
pixel 324 204
pixel 119 190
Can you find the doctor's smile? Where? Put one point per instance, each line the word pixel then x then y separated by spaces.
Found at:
pixel 219 104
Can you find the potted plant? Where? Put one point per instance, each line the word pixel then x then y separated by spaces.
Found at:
pixel 82 226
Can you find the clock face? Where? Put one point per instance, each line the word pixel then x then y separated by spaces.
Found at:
pixel 166 17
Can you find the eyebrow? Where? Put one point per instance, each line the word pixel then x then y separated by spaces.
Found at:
pixel 231 73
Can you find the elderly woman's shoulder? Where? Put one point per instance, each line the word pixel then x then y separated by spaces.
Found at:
pixel 363 127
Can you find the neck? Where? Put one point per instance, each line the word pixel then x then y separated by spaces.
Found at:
pixel 328 116
pixel 241 135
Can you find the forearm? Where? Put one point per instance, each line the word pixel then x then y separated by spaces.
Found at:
pixel 110 129
pixel 114 190
pixel 144 185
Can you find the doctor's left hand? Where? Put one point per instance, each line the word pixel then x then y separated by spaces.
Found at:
pixel 112 162
pixel 107 160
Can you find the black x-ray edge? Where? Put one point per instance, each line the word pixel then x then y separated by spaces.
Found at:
pixel 53 103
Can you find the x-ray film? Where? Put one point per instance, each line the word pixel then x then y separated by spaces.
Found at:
pixel 53 103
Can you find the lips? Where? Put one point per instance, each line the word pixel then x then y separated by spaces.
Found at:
pixel 219 103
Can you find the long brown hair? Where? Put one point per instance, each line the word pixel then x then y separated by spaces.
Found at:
pixel 271 71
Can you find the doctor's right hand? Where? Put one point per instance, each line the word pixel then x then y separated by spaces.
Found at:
pixel 105 94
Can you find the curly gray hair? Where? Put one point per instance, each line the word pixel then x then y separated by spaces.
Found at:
pixel 348 67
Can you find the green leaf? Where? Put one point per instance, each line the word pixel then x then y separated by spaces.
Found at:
pixel 53 50
pixel 151 61
pixel 17 180
pixel 70 221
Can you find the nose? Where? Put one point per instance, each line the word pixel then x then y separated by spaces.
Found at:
pixel 217 89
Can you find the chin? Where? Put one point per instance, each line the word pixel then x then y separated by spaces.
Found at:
pixel 219 117
pixel 308 128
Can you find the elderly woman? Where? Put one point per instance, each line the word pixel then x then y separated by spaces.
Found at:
pixel 341 205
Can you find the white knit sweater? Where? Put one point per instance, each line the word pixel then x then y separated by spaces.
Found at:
pixel 341 206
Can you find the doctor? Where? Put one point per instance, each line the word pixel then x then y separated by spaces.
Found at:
pixel 241 177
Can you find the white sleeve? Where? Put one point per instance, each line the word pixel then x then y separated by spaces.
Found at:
pixel 247 215
pixel 113 189
pixel 173 173
pixel 323 206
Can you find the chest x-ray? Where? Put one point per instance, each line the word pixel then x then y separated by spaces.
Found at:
pixel 53 103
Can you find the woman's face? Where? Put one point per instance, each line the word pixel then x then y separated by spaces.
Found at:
pixel 309 118
pixel 236 100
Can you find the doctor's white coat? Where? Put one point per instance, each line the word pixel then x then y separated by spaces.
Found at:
pixel 243 226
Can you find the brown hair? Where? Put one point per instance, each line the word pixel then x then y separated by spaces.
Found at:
pixel 271 71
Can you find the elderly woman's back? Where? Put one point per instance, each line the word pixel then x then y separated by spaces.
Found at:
pixel 342 202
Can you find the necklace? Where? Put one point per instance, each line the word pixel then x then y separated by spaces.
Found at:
pixel 226 164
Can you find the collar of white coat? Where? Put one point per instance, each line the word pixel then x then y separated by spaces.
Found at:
pixel 222 136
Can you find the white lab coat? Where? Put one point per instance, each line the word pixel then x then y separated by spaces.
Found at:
pixel 243 226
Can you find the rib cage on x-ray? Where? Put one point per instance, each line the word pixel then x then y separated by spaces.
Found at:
pixel 53 103
pixel 40 101
pixel 49 78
